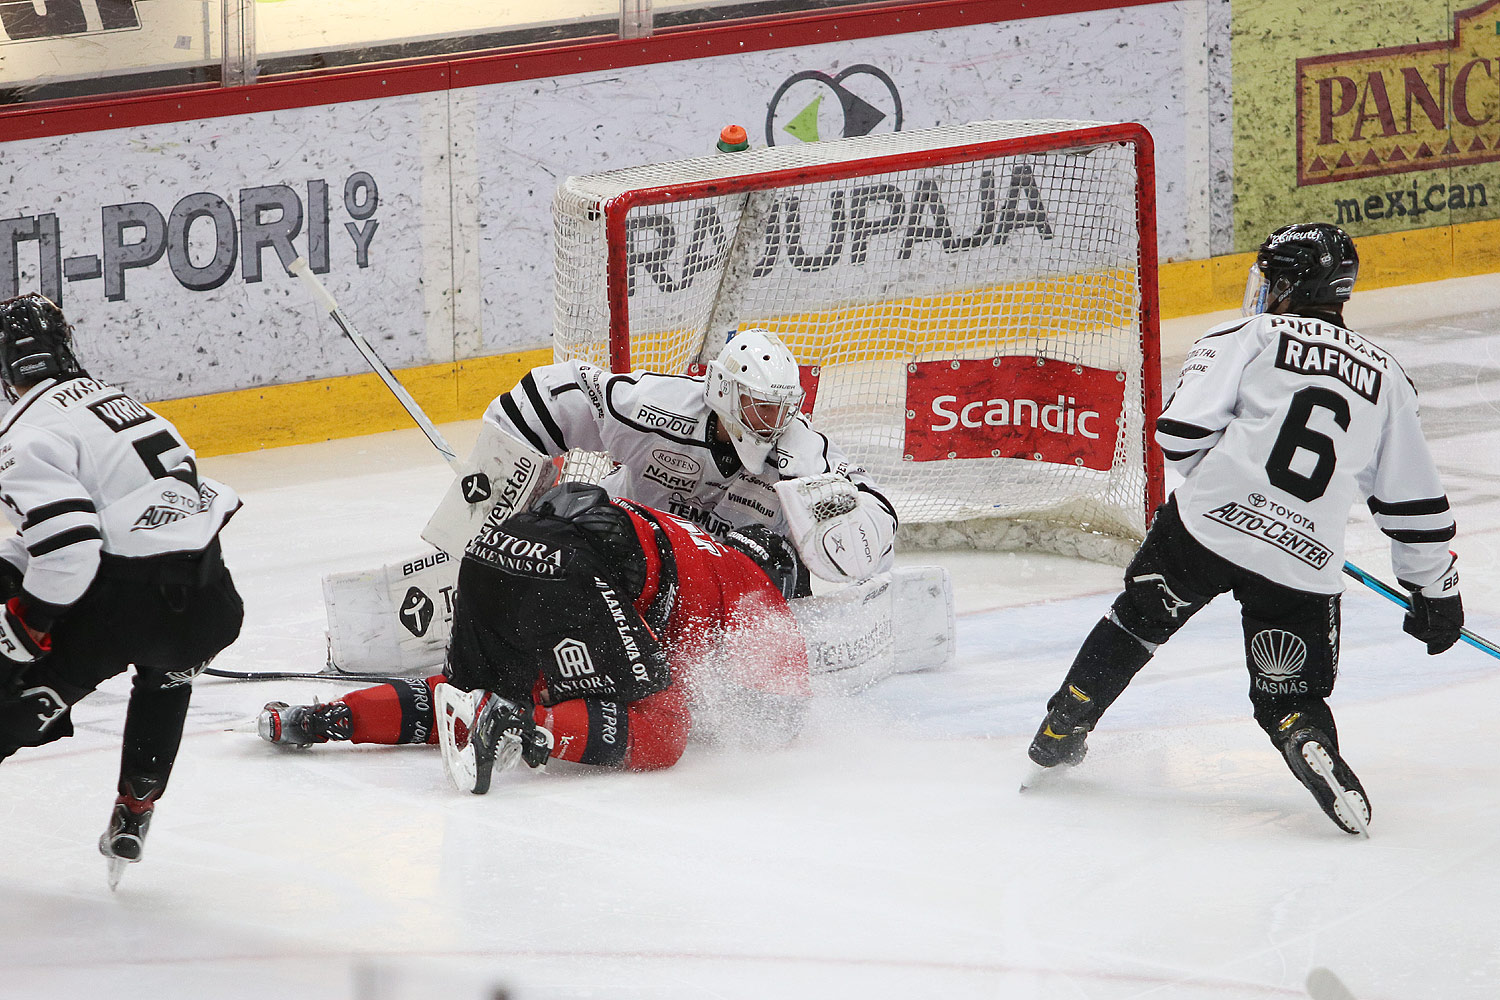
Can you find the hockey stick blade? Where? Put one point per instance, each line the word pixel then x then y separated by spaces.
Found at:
pixel 1324 985
pixel 325 299
pixel 1395 596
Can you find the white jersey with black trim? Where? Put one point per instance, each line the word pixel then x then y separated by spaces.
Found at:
pixel 659 428
pixel 85 469
pixel 1279 424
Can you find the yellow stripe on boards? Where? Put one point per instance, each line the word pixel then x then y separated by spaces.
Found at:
pixel 1385 259
pixel 303 412
pixel 1043 307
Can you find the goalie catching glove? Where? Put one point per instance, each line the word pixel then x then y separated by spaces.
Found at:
pixel 842 534
pixel 1437 612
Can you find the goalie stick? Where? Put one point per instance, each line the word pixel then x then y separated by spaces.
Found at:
pixel 325 299
pixel 1396 597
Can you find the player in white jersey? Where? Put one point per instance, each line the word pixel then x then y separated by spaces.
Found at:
pixel 115 562
pixel 1279 423
pixel 724 451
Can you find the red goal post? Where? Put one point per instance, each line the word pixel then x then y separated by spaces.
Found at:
pixel 974 306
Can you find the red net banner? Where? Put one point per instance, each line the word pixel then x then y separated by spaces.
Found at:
pixel 1013 407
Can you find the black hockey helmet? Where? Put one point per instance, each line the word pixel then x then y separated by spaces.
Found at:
pixel 1309 264
pixel 36 341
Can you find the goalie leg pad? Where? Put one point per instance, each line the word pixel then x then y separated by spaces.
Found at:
pixel 897 622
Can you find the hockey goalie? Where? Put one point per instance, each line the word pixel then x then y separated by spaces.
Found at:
pixel 579 628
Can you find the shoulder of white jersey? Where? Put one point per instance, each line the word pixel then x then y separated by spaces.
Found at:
pixel 671 406
pixel 1394 362
pixel 802 450
pixel 53 401
pixel 1230 326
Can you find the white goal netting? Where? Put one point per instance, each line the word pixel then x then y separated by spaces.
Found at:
pixel 973 306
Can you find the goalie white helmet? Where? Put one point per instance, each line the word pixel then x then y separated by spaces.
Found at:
pixel 754 388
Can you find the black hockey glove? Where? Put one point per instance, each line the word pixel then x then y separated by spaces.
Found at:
pixel 10 580
pixel 771 552
pixel 1434 620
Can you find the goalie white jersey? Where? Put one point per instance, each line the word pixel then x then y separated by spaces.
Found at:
pixel 85 469
pixel 1279 424
pixel 660 429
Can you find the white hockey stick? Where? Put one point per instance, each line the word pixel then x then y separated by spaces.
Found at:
pixel 301 270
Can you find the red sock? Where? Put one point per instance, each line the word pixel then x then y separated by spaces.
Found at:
pixel 652 733
pixel 400 712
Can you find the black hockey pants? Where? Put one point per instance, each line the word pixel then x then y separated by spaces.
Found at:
pixel 1291 636
pixel 166 615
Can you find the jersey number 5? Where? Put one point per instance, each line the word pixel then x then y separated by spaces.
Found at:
pixel 1296 436
pixel 151 450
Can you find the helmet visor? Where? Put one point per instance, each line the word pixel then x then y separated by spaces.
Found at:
pixel 1257 293
pixel 765 417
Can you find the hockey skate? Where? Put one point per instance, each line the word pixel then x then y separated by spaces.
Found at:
pixel 125 840
pixel 481 733
pixel 303 725
pixel 1061 739
pixel 1312 757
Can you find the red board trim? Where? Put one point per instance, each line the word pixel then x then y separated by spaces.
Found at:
pixel 697 42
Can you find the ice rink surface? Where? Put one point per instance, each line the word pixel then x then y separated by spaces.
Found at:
pixel 887 854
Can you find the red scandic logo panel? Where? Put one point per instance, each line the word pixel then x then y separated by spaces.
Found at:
pixel 1013 407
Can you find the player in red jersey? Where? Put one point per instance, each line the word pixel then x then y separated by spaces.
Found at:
pixel 579 630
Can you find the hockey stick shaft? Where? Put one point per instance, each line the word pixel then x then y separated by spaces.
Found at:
pixel 1396 597
pixel 326 300
pixel 293 675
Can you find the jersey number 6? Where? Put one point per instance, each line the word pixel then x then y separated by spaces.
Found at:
pixel 1297 436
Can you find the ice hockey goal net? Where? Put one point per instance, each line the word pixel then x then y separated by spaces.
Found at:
pixel 974 307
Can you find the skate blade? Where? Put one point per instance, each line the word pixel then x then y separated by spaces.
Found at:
pixel 117 868
pixel 1355 814
pixel 1036 774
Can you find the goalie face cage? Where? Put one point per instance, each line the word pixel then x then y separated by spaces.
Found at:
pixel 974 307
